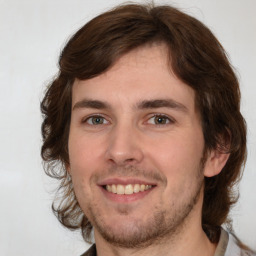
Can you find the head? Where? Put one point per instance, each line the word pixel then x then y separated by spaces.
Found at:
pixel 194 56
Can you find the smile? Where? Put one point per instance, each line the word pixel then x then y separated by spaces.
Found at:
pixel 127 189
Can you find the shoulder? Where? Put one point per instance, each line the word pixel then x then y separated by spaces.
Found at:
pixel 235 247
pixel 231 246
pixel 91 251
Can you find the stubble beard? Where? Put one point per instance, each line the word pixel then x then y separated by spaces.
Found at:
pixel 158 228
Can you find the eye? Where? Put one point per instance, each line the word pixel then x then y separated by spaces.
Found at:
pixel 95 120
pixel 160 120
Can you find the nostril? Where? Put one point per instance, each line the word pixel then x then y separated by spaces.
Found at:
pixel 130 160
pixel 122 162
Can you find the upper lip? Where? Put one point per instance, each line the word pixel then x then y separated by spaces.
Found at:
pixel 125 181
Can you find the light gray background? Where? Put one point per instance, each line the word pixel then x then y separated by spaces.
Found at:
pixel 32 35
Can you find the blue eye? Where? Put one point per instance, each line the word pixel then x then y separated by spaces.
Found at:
pixel 96 120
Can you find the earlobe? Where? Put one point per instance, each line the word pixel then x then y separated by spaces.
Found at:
pixel 215 162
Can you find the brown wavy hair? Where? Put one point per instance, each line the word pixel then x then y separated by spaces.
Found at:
pixel 196 57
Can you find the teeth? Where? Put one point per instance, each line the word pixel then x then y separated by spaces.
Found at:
pixel 120 189
pixel 136 188
pixel 127 189
pixel 109 188
pixel 113 189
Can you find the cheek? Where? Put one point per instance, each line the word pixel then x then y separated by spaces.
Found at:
pixel 179 155
pixel 180 162
pixel 84 154
pixel 82 165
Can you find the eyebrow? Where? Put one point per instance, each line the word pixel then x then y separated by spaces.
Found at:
pixel 162 103
pixel 85 103
pixel 145 104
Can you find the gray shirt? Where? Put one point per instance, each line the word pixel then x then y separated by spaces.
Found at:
pixel 228 246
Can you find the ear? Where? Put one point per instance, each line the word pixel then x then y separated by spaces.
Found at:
pixel 215 162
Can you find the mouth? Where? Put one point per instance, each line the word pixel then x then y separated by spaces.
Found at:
pixel 128 189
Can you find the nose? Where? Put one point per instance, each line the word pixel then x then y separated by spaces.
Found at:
pixel 124 146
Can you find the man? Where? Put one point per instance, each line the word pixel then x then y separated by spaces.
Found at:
pixel 143 128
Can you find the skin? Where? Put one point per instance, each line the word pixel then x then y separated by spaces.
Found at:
pixel 137 123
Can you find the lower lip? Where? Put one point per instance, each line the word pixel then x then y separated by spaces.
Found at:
pixel 125 198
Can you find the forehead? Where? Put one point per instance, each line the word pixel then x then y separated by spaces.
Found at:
pixel 142 74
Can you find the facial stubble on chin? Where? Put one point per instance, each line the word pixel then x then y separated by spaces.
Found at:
pixel 159 227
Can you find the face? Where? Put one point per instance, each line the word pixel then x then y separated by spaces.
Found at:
pixel 136 147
